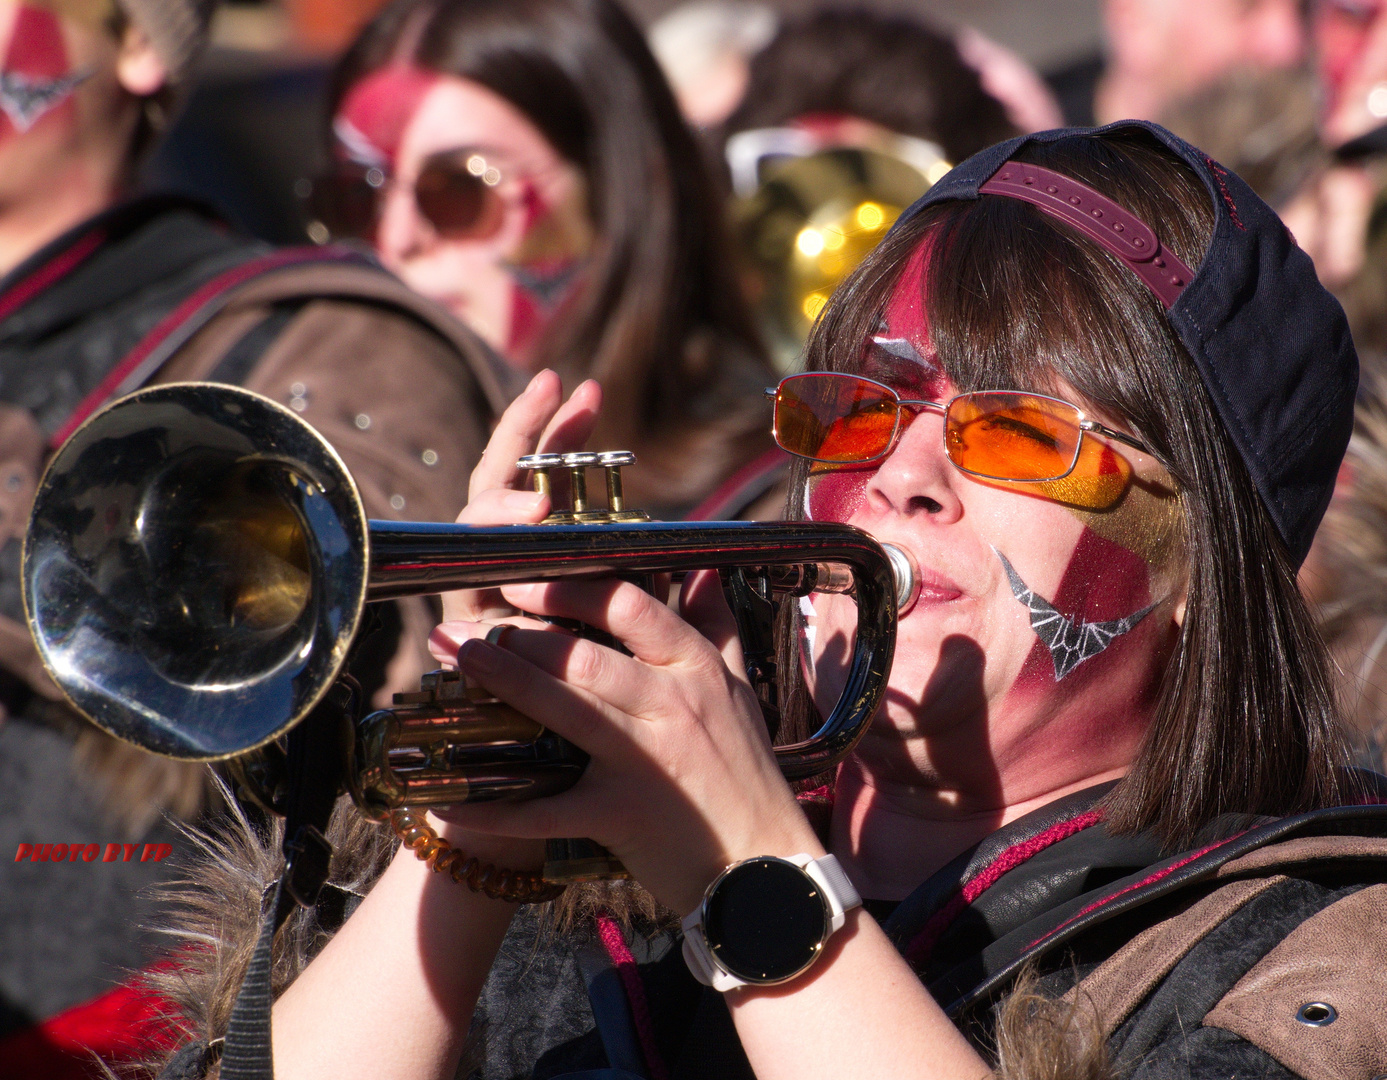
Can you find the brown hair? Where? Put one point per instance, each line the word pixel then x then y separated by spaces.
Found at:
pixel 661 323
pixel 1245 719
pixel 889 69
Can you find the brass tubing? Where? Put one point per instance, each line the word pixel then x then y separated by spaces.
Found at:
pixel 409 559
pixel 616 502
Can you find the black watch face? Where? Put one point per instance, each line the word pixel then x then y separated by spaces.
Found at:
pixel 765 920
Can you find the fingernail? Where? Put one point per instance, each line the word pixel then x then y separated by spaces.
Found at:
pixel 521 500
pixel 477 656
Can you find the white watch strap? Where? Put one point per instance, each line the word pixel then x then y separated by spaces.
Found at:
pixel 833 880
pixel 826 872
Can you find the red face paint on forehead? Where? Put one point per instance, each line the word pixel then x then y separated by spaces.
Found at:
pixel 36 80
pixel 376 111
pixel 900 353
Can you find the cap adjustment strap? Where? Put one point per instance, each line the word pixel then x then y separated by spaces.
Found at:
pixel 1099 218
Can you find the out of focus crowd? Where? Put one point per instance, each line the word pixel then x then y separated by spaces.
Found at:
pixel 386 216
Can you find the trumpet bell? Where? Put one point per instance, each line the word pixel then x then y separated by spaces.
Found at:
pixel 809 224
pixel 196 566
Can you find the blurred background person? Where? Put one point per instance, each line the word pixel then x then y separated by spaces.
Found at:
pixel 705 49
pixel 849 116
pixel 1346 573
pixel 1262 125
pixel 103 291
pixel 523 163
pixel 1158 51
pixel 1350 38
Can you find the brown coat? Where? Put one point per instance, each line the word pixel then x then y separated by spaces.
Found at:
pixel 404 392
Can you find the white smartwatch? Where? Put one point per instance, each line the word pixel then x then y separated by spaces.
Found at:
pixel 765 920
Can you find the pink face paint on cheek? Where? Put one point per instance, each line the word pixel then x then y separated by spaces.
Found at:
pixel 837 494
pixel 1103 583
pixel 376 111
pixel 36 81
pixel 547 265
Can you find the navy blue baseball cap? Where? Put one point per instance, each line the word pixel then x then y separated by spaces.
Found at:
pixel 1272 345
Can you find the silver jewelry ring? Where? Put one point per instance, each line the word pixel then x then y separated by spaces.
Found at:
pixel 496 633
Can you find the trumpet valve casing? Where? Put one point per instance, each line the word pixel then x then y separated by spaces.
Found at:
pixel 448 743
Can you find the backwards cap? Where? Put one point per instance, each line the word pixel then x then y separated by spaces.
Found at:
pixel 1271 344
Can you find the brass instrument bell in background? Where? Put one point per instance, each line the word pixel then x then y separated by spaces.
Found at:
pixel 805 217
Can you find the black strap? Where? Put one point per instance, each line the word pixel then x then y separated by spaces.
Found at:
pixel 314 770
pixel 235 367
pixel 611 1010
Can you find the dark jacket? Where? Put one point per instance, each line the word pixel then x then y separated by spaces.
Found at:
pixel 1195 964
pixel 159 290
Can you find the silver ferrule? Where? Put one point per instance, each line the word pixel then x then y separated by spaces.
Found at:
pixel 907 580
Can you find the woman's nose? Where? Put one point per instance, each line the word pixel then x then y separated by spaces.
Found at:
pixel 917 476
pixel 402 232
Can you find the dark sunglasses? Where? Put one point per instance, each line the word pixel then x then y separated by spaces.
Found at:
pixel 455 193
pixel 995 434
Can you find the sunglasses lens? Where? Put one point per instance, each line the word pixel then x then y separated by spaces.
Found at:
pixel 346 203
pixel 1009 436
pixel 457 203
pixel 835 418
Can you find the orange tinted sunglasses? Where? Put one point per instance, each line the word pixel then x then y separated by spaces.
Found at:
pixel 994 434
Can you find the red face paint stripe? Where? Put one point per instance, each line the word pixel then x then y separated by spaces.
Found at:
pixel 918 952
pixel 50 273
pixel 1160 874
pixel 36 45
pixel 615 944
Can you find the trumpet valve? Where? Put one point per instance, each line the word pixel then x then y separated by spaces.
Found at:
pixel 612 462
pixel 539 467
pixel 578 465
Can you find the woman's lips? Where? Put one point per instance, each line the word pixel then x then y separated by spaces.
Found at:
pixel 928 586
pixel 935 589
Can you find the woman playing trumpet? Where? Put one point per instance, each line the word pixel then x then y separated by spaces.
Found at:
pixel 1094 391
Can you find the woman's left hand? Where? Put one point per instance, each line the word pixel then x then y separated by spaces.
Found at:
pixel 682 779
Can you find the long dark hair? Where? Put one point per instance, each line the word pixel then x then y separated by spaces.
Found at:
pixel 661 322
pixel 1245 720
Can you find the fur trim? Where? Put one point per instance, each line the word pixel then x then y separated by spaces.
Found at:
pixel 1045 1038
pixel 136 787
pixel 214 912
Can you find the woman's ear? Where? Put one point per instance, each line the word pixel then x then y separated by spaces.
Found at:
pixel 139 68
pixel 1181 603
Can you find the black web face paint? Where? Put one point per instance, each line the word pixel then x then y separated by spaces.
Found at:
pixel 1070 642
pixel 25 99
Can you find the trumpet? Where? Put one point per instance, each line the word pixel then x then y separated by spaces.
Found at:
pixel 198 564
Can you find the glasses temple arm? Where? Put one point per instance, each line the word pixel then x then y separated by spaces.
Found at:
pixel 1101 429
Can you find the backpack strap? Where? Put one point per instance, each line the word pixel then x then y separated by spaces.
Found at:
pixel 173 331
pixel 289 278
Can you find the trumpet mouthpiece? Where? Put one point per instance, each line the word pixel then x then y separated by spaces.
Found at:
pixel 907 580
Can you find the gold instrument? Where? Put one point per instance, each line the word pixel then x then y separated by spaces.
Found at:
pixel 198 562
pixel 805 216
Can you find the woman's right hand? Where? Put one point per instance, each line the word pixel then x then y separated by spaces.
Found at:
pixel 539 421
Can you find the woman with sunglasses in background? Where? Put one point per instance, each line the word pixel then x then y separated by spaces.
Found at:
pixel 1095 393
pixel 523 163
